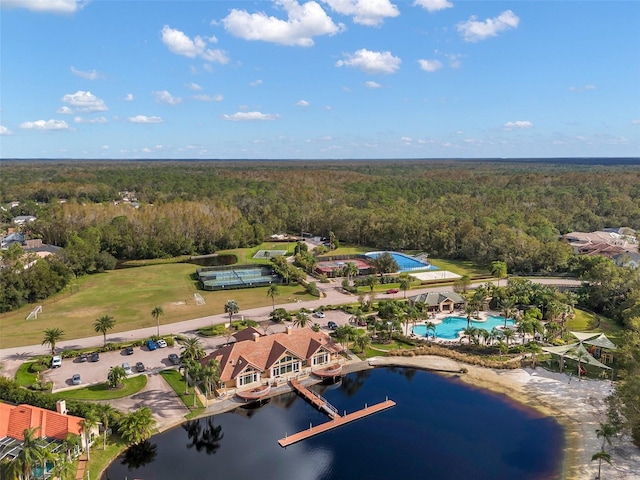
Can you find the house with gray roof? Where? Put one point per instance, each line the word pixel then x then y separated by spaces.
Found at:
pixel 439 301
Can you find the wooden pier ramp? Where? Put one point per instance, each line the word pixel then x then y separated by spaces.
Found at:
pixel 336 419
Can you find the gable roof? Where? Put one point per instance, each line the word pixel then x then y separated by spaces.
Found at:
pixel 436 298
pixel 14 420
pixel 262 351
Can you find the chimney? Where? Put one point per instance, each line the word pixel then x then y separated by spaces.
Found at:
pixel 61 407
pixel 256 336
pixel 289 330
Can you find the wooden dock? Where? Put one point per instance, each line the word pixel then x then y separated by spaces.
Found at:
pixel 335 423
pixel 336 419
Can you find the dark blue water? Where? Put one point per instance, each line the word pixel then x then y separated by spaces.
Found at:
pixel 439 429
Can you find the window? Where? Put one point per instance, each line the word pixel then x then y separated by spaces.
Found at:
pixel 285 365
pixel 250 375
pixel 321 358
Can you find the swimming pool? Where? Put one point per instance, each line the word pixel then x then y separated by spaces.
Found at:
pixel 405 262
pixel 451 326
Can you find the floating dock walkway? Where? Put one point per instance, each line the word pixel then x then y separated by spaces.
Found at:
pixel 336 419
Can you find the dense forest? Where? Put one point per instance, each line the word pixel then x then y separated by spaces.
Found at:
pixel 481 211
pixel 511 212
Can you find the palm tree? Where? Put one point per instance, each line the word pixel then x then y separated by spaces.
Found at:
pixel 192 349
pixel 51 337
pixel 272 292
pixel 370 281
pixel 581 356
pixel 363 340
pixel 508 334
pixel 210 376
pixel 34 452
pixel 231 308
pixel 62 466
pixel 105 413
pixel 89 423
pixel 600 456
pixel 485 335
pixel 136 427
pixel 72 443
pixel 468 310
pixel 103 325
pixel 350 270
pixel 431 327
pixel 156 313
pixel 405 283
pixel 506 308
pixel 499 270
pixel 116 376
pixel 606 432
pixel 301 320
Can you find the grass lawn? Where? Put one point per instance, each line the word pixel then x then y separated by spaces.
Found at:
pixel 461 267
pixel 24 377
pixel 129 295
pixel 102 392
pixel 587 321
pixel 176 381
pixel 100 458
pixel 583 321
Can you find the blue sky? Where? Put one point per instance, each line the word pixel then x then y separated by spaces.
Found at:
pixel 319 79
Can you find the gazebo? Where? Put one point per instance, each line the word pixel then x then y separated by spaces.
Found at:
pixel 587 350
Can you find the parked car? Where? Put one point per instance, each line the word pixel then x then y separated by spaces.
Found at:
pixel 127 368
pixel 393 290
pixel 76 379
pixel 95 356
pixel 332 325
pixel 318 314
pixel 128 351
pixel 56 361
pixel 83 357
pixel 174 359
pixel 161 343
pixel 151 345
pixel 140 367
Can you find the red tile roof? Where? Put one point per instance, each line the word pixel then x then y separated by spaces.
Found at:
pixel 262 351
pixel 14 420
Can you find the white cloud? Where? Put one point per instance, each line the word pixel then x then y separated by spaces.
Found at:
pixel 583 88
pixel 90 75
pixel 255 83
pixel 164 96
pixel 4 130
pixel 406 139
pixel 635 122
pixel 371 62
pixel 209 98
pixel 473 30
pixel 85 102
pixel 302 24
pixel 454 60
pixel 365 12
pixel 181 44
pixel 194 86
pixel 372 84
pixel 105 147
pixel 52 6
pixel 46 125
pixel 64 110
pixel 430 65
pixel 302 103
pixel 90 120
pixel 433 5
pixel 145 119
pixel 517 124
pixel 129 97
pixel 250 116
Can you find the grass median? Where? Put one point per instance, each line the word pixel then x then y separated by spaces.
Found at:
pixel 101 391
pixel 176 381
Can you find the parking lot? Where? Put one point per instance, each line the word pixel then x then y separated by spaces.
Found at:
pixel 96 372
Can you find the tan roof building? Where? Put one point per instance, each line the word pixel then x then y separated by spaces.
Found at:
pixel 255 357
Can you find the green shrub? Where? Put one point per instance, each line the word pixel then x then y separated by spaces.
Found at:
pixel 170 341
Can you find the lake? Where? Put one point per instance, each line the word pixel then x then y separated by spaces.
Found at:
pixel 440 428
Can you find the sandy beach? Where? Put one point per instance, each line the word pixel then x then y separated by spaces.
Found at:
pixel 578 405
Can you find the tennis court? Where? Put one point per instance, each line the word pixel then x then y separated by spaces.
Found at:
pixel 242 276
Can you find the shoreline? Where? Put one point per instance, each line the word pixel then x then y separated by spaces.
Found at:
pixel 578 407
